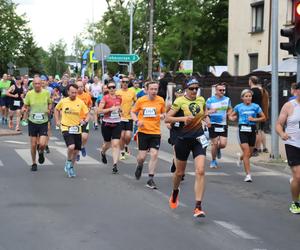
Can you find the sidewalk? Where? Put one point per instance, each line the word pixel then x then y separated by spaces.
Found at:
pixel 233 148
pixel 9 132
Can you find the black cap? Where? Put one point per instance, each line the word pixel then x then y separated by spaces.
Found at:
pixel 18 77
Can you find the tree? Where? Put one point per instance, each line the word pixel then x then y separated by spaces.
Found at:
pixel 56 61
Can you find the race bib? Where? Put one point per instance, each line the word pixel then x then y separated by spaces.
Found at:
pixel 95 94
pixel 38 116
pixel 246 129
pixel 203 140
pixel 115 114
pixel 219 129
pixel 149 112
pixel 74 130
pixel 17 103
pixel 177 124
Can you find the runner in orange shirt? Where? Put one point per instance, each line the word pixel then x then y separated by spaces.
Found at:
pixel 148 111
pixel 128 99
pixel 86 98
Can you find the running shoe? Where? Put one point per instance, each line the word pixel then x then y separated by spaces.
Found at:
pixel 213 164
pixel 219 154
pixel 174 203
pixel 138 172
pixel 248 178
pixel 67 166
pixel 34 167
pixel 151 184
pixel 83 152
pixel 115 169
pixel 198 212
pixel 95 126
pixel 265 150
pixel 78 157
pixel 295 208
pixel 71 172
pixel 41 159
pixel 103 158
pixel 24 123
pixel 47 149
pixel 255 153
pixel 122 157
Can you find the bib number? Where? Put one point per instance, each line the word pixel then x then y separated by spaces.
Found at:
pixel 17 103
pixel 114 114
pixel 149 112
pixel 177 124
pixel 219 129
pixel 247 129
pixel 74 130
pixel 38 116
pixel 203 140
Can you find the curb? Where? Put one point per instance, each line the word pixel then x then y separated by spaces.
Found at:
pixel 6 132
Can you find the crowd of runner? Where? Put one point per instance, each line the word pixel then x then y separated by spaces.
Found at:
pixel 126 108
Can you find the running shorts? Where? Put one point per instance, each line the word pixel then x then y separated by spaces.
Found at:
pixel 147 141
pixel 247 134
pixel 72 139
pixel 293 155
pixel 127 126
pixel 218 130
pixel 184 146
pixel 111 131
pixel 35 130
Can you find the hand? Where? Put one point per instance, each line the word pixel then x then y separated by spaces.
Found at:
pixel 232 117
pixel 140 124
pixel 188 119
pixel 284 136
pixel 168 125
pixel 162 116
pixel 251 119
pixel 16 95
pixel 208 124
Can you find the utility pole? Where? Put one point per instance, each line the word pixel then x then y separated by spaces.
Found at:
pixel 131 34
pixel 150 52
pixel 274 104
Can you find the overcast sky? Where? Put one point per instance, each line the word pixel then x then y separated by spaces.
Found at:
pixel 51 20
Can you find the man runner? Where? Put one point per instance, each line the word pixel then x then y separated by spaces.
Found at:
pixel 70 109
pixel 38 103
pixel 150 109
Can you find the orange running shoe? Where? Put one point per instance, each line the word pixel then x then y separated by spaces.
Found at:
pixel 198 212
pixel 175 204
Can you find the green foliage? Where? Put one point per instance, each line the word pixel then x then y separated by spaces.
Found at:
pixel 194 29
pixel 56 61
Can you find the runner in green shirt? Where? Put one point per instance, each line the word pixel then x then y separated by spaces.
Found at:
pixel 38 103
pixel 4 100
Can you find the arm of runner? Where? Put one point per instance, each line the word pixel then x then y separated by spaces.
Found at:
pixel 281 121
pixel 171 119
pixel 232 116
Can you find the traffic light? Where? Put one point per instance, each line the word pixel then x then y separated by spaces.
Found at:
pixel 297 26
pixel 290 45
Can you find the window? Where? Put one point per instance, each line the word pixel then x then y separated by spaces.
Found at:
pixel 236 64
pixel 290 12
pixel 257 16
pixel 253 61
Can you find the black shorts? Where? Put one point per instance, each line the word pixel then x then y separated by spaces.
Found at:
pixel 248 137
pixel 85 128
pixel 183 147
pixel 218 130
pixel 4 101
pixel 111 131
pixel 127 126
pixel 147 141
pixel 173 136
pixel 35 130
pixel 14 108
pixel 72 139
pixel 293 155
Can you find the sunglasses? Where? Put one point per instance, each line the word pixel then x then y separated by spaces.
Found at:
pixel 111 87
pixel 222 90
pixel 125 81
pixel 193 89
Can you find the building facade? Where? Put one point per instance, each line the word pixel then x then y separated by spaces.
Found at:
pixel 249 33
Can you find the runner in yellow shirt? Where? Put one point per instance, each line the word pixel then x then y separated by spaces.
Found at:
pixel 70 110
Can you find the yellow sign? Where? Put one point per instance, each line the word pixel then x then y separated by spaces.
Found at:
pixel 92 59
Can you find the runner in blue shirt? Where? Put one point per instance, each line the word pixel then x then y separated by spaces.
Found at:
pixel 248 114
pixel 219 106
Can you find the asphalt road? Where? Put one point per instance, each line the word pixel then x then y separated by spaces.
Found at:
pixel 98 210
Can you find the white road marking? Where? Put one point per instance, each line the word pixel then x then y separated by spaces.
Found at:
pixel 1 164
pixel 53 138
pixel 159 175
pixel 265 173
pixel 26 156
pixel 210 173
pixel 83 160
pixel 236 230
pixel 17 142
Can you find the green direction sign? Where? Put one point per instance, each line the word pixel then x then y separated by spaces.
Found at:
pixel 122 58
